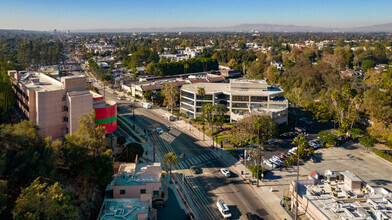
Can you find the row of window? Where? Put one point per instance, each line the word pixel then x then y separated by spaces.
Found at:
pixel 155 193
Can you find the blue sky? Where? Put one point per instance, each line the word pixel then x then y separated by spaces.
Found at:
pixel 91 14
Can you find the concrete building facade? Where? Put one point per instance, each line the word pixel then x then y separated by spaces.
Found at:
pixel 55 106
pixel 328 195
pixel 241 97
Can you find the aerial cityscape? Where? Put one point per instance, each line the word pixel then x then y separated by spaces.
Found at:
pixel 173 110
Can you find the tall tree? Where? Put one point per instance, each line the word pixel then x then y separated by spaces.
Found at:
pixel 170 161
pixel 170 91
pixel 43 201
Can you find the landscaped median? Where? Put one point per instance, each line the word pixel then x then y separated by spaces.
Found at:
pixel 124 124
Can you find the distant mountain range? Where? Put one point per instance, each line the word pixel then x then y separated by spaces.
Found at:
pixel 251 27
pixel 240 28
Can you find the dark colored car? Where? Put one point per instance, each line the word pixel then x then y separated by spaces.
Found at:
pixel 249 216
pixel 195 170
pixel 158 203
pixel 190 216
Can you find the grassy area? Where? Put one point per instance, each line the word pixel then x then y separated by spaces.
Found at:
pixel 229 148
pixel 384 155
pixel 124 127
pixel 134 130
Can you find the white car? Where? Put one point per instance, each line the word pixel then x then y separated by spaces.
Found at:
pixel 225 172
pixel 119 98
pixel 159 130
pixel 128 99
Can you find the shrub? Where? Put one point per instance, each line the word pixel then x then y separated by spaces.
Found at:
pixel 366 141
pixel 254 169
pixel 384 155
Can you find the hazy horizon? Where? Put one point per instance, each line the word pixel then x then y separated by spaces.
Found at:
pixel 45 15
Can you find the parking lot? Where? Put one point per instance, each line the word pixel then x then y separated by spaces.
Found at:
pixel 369 167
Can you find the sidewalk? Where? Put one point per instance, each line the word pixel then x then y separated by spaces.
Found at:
pixel 263 191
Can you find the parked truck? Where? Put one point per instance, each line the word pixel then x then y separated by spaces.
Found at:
pixel 168 116
pixel 146 105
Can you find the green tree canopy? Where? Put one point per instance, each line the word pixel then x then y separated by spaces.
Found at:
pixel 43 201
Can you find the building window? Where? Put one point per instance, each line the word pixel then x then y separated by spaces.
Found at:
pixel 64 98
pixel 65 108
pixel 122 191
pixel 205 97
pixel 142 191
pixel 240 98
pixel 155 193
pixel 187 94
pixel 240 105
pixel 259 98
pixel 65 119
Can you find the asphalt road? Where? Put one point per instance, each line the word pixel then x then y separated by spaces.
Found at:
pixel 204 189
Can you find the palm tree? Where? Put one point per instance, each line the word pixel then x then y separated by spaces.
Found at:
pixel 201 92
pixel 358 101
pixel 336 99
pixel 300 141
pixel 105 83
pixel 170 161
pixel 257 125
pixel 186 66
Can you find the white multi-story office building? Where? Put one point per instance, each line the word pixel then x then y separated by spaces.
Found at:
pixel 242 97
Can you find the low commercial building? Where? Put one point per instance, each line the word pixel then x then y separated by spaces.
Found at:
pixel 127 209
pixel 155 84
pixel 242 97
pixel 327 195
pixel 136 180
pixel 56 106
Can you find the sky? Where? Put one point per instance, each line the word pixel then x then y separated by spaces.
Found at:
pixel 47 15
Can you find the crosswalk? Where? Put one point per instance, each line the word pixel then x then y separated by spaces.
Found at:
pixel 203 158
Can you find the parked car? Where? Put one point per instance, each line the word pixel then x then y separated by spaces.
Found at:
pixel 281 156
pixel 159 130
pixel 129 99
pixel 225 172
pixel 167 127
pixel 195 170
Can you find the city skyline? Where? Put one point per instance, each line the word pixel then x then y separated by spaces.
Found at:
pixel 44 15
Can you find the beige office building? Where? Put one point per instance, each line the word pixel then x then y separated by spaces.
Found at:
pixel 242 97
pixel 55 106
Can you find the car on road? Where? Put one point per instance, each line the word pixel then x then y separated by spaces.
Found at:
pixel 190 216
pixel 195 169
pixel 128 99
pixel 167 127
pixel 158 203
pixel 313 159
pixel 159 130
pixel 119 98
pixel 225 172
pixel 250 216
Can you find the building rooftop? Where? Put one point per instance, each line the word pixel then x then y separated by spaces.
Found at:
pixel 335 199
pixel 236 87
pixel 115 209
pixel 137 174
pixel 40 82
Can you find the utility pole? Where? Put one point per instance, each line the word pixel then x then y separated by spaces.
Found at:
pixel 153 140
